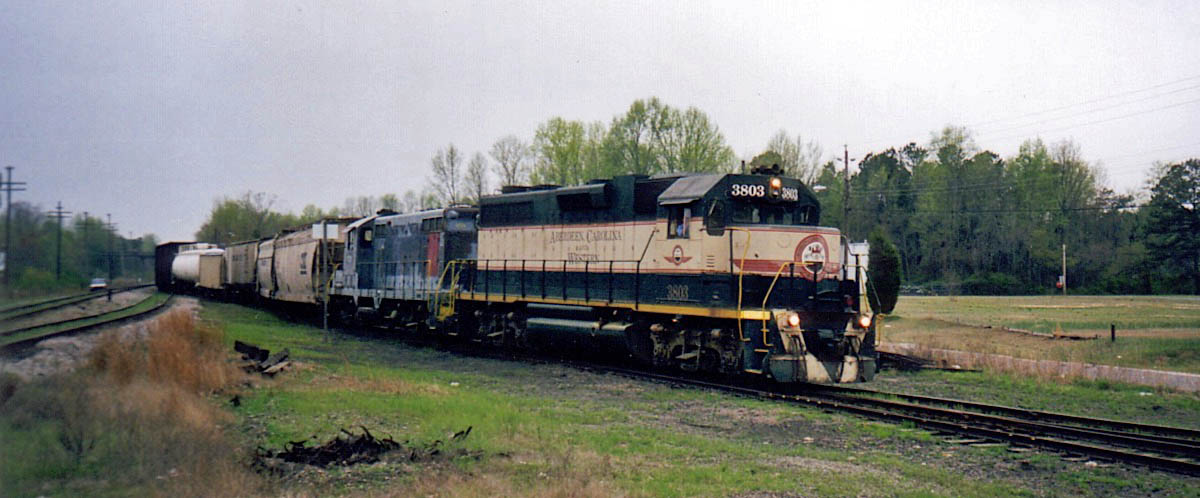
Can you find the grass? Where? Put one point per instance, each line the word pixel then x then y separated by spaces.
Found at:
pixel 134 421
pixel 152 417
pixel 547 431
pixel 1152 332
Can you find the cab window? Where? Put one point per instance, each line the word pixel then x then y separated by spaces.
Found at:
pixel 677 222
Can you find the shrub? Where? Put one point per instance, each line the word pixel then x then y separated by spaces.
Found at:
pixel 885 273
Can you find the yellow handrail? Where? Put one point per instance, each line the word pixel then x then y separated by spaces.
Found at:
pixel 741 272
pixel 770 289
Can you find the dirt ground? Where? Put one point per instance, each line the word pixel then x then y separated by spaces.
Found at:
pixel 65 353
pixel 95 305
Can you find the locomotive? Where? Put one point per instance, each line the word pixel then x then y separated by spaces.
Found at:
pixel 729 274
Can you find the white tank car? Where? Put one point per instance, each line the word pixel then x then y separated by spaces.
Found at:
pixel 199 264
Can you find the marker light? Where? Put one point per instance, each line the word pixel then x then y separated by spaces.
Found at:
pixel 794 320
pixel 864 321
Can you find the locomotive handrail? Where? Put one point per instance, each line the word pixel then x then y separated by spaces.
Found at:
pixel 770 289
pixel 741 272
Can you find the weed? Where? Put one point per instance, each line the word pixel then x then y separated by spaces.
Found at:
pixel 132 421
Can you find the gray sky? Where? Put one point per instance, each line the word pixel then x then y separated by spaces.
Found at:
pixel 151 111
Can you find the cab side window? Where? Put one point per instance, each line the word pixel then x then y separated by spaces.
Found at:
pixel 678 218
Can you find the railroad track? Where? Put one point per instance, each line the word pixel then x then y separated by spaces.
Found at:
pixel 1164 448
pixel 23 310
pixel 20 339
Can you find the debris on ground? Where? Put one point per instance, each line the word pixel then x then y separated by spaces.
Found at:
pixel 353 450
pixel 912 363
pixel 261 360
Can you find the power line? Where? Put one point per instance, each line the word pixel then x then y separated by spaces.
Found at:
pixel 1092 101
pixel 1098 121
pixel 1083 113
pixel 869 143
pixel 1034 210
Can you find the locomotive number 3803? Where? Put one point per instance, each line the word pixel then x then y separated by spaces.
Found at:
pixel 743 190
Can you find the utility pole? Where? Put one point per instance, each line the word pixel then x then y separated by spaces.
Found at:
pixel 846 192
pixel 1064 269
pixel 59 214
pixel 9 186
pixel 112 230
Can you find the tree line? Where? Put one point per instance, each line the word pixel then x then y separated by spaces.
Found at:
pixel 88 248
pixel 963 218
pixel 967 220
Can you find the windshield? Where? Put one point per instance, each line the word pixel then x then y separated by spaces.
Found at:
pixel 767 214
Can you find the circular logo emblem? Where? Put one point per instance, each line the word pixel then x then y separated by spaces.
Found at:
pixel 677 254
pixel 813 255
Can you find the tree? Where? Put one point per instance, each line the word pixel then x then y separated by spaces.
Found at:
pixel 248 217
pixel 798 158
pixel 1173 231
pixel 692 144
pixel 630 141
pixel 447 181
pixel 477 182
pixel 410 202
pixel 767 159
pixel 390 202
pixel 363 205
pixel 559 145
pixel 885 273
pixel 511 156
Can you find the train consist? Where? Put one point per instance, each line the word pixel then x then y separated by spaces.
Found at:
pixel 723 273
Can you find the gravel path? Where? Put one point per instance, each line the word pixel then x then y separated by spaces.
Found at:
pixel 65 353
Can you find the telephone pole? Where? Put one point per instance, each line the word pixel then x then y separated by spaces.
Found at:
pixel 112 231
pixel 59 214
pixel 846 192
pixel 9 186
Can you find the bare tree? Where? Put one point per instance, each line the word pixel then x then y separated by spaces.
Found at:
pixel 477 181
pixel 801 159
pixel 447 175
pixel 410 202
pixel 362 205
pixel 511 156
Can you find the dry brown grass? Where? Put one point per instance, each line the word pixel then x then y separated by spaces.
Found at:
pixel 138 412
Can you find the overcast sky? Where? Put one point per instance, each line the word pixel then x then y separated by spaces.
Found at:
pixel 152 110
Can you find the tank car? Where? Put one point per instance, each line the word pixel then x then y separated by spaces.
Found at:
pixel 200 265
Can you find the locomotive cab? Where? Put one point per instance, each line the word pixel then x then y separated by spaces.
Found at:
pixel 796 286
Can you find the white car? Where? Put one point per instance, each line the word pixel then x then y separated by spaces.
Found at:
pixel 98 284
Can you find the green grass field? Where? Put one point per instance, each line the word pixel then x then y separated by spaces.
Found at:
pixel 545 430
pixel 1152 332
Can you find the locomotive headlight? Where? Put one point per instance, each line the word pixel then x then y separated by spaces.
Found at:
pixel 864 321
pixel 793 320
pixel 776 183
